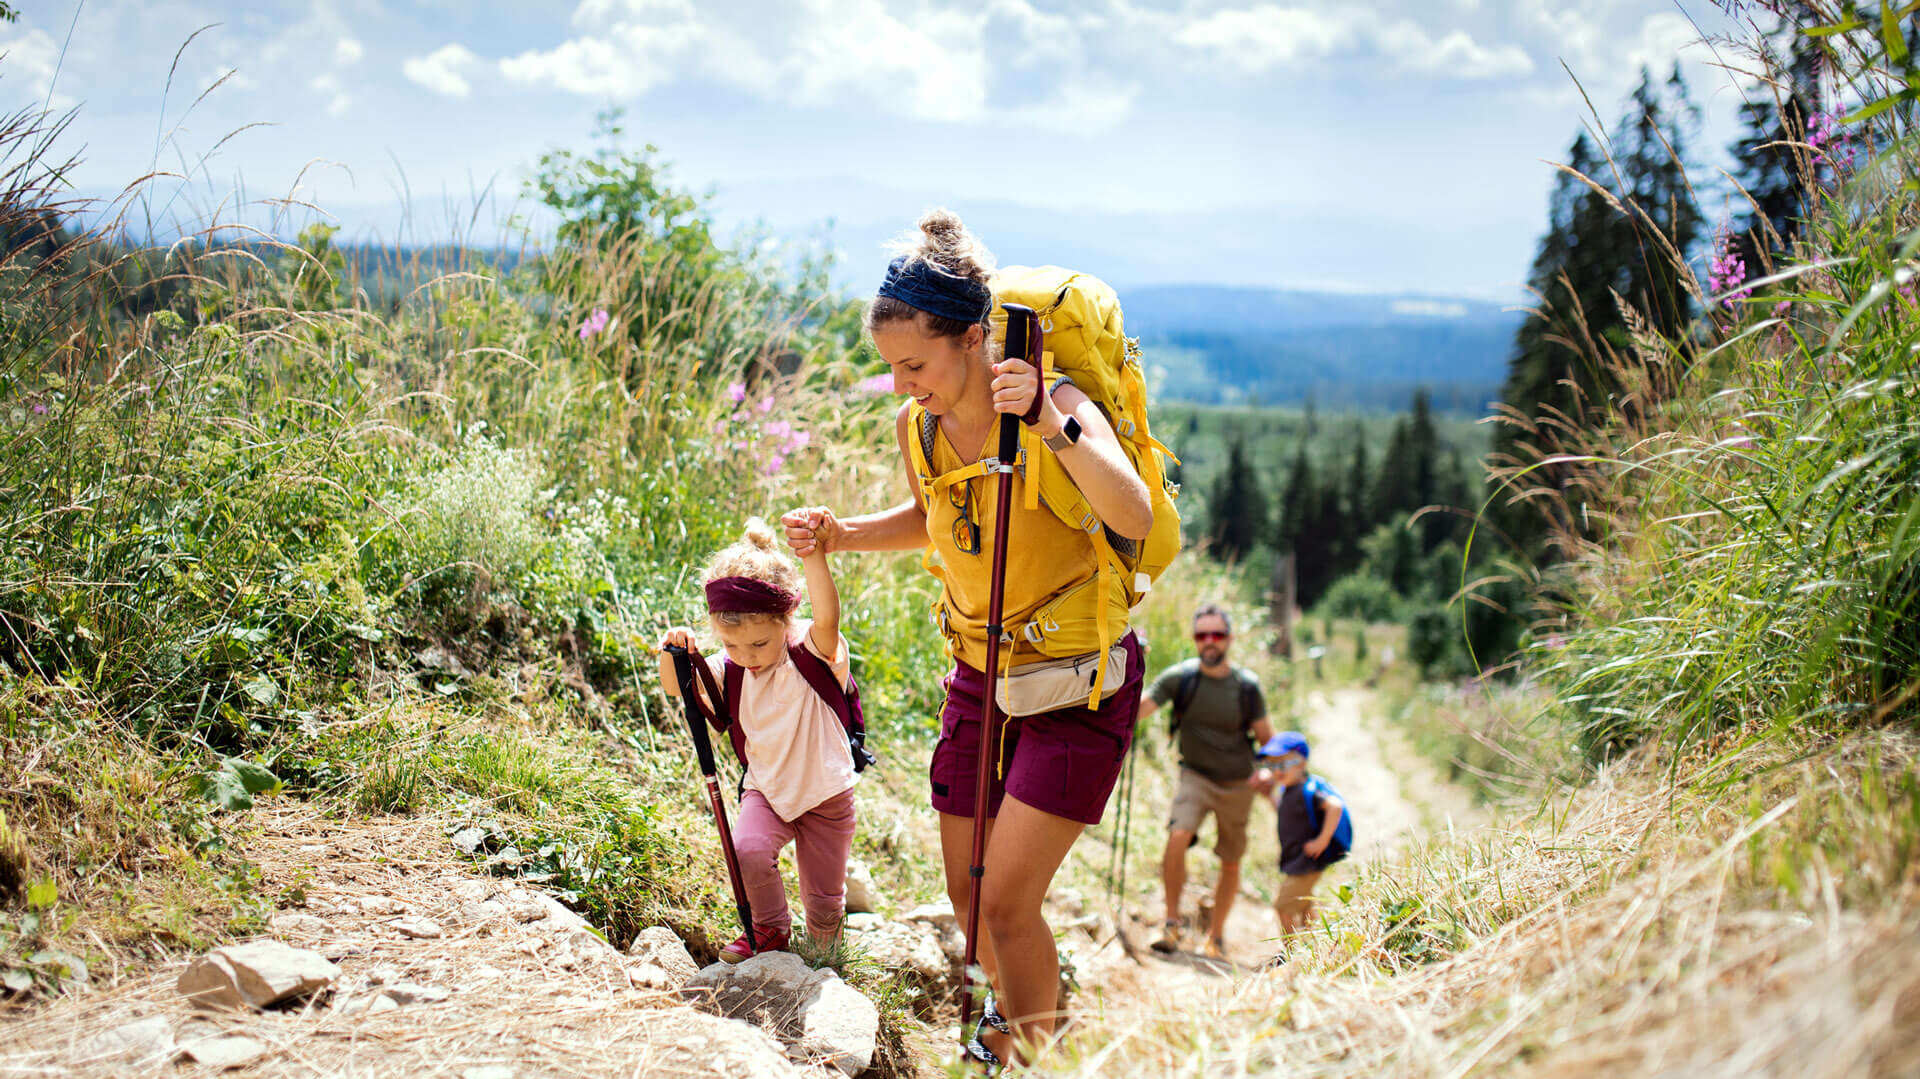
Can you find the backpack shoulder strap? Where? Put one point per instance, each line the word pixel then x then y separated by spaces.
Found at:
pixel 733 676
pixel 1183 693
pixel 1249 699
pixel 819 676
pixel 844 700
pixel 1310 792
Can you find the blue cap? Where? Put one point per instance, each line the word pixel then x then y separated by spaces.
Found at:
pixel 1284 743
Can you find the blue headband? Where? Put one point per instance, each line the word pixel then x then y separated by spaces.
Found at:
pixel 921 284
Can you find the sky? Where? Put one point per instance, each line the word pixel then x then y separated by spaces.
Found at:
pixel 1365 145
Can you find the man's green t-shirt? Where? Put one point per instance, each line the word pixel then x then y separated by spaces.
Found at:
pixel 1213 729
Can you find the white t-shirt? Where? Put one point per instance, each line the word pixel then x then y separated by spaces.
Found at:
pixel 797 755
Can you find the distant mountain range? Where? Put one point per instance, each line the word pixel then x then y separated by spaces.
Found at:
pixel 1225 345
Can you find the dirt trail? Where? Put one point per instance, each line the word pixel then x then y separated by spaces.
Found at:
pixel 1397 796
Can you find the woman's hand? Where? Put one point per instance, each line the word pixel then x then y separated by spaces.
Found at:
pixel 813 530
pixel 1015 384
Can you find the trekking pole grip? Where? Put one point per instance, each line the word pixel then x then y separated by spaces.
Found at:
pixel 1021 322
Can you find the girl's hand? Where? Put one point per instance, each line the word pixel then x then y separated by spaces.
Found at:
pixel 812 531
pixel 1015 384
pixel 678 637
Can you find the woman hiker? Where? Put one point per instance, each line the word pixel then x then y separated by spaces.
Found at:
pixel 1054 770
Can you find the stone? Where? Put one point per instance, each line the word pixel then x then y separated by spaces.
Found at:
pixel 838 1026
pixel 470 840
pixel 557 914
pixel 413 993
pixel 257 974
pixel 382 1003
pixel 861 898
pixel 381 904
pixel 648 976
pixel 473 891
pixel 915 946
pixel 863 922
pixel 294 923
pixel 149 1039
pixel 588 944
pixel 417 927
pixel 940 915
pixel 683 1041
pixel 225 1050
pixel 659 947
pixel 818 1017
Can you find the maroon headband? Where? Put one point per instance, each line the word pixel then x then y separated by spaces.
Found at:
pixel 748 595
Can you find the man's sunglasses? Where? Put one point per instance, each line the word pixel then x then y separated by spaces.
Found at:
pixel 1204 635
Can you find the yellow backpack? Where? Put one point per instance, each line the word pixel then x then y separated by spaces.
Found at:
pixel 1084 342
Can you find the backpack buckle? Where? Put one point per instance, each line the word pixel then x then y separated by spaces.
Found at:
pixel 1090 523
pixel 1124 428
pixel 1032 632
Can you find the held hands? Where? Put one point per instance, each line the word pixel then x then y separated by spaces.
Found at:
pixel 813 531
pixel 1015 384
pixel 677 637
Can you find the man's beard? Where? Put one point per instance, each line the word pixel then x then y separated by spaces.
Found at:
pixel 1211 655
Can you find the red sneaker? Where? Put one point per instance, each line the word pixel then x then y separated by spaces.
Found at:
pixel 771 940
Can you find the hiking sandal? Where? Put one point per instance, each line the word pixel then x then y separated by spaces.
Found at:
pixel 978 1053
pixel 990 1016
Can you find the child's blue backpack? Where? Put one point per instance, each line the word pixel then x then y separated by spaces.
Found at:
pixel 1342 832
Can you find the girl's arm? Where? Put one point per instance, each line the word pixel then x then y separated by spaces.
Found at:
pixel 823 597
pixel 898 528
pixel 1096 462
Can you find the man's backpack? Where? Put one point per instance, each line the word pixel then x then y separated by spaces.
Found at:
pixel 845 702
pixel 1084 342
pixel 1342 832
pixel 1189 687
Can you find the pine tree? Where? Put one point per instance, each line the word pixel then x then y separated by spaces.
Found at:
pixel 1238 508
pixel 1565 374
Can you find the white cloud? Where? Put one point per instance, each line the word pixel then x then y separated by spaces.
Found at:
pixel 348 51
pixel 1456 54
pixel 927 63
pixel 31 57
pixel 440 70
pixel 328 85
pixel 1429 308
pixel 1658 42
pixel 1267 36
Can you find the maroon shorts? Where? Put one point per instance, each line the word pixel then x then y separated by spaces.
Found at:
pixel 1062 762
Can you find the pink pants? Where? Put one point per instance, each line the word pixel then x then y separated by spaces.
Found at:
pixel 822 838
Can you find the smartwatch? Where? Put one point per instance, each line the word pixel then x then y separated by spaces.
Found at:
pixel 1069 434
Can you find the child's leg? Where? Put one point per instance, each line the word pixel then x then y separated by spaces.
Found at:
pixel 1294 904
pixel 824 837
pixel 758 835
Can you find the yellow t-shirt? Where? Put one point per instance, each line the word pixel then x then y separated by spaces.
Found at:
pixel 1045 556
pixel 797 755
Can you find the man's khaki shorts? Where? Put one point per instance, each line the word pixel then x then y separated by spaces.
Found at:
pixel 1230 804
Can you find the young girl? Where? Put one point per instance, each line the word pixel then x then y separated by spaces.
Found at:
pixel 800 771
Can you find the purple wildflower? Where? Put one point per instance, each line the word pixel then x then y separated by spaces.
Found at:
pixel 1726 269
pixel 39 408
pixel 875 384
pixel 775 463
pixel 766 405
pixel 737 392
pixel 1780 309
pixel 593 323
pixel 777 428
pixel 799 440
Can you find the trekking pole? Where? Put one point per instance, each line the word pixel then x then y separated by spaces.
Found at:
pixel 685 661
pixel 1125 823
pixel 1020 339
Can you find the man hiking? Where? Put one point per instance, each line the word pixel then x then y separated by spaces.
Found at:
pixel 1219 715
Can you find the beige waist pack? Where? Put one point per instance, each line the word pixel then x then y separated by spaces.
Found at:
pixel 1058 683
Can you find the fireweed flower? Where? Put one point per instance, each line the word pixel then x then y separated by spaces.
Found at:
pixel 1726 269
pixel 875 384
pixel 766 405
pixel 593 323
pixel 737 392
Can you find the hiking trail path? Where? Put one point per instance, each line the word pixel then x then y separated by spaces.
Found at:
pixel 1397 795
